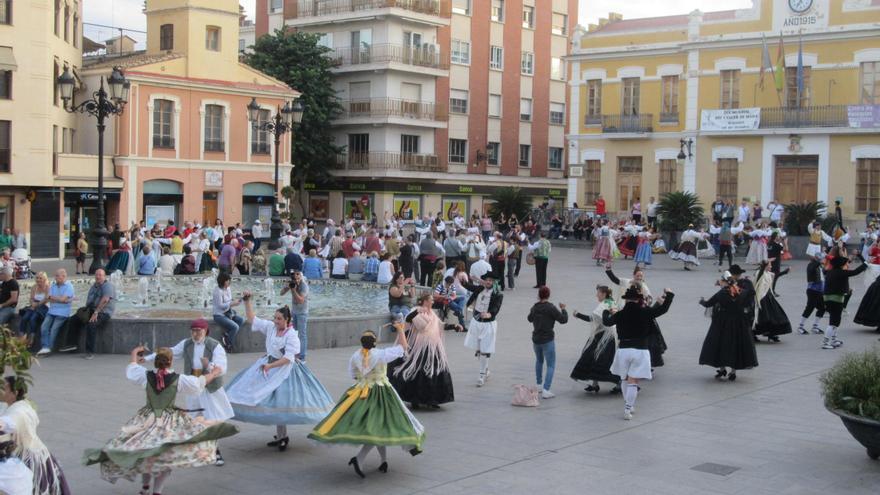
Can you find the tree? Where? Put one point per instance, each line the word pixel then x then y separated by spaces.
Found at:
pixel 509 200
pixel 296 58
pixel 678 210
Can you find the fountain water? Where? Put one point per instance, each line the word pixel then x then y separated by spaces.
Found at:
pixel 143 292
pixel 116 280
pixel 268 290
pixel 208 285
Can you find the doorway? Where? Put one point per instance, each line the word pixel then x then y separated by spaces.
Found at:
pixel 209 207
pixel 629 181
pixel 797 179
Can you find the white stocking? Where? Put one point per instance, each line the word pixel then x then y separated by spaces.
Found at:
pixel 160 481
pixel 363 453
pixel 280 431
pixel 382 452
pixel 484 364
pixel 629 395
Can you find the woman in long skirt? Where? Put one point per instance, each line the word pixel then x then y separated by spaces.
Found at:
pixel 686 251
pixel 770 320
pixel 728 343
pixel 121 259
pixel 277 389
pixel 21 420
pixel 868 314
pixel 594 364
pixel 422 376
pixel 602 249
pixel 370 413
pixel 757 247
pixel 644 250
pixel 160 437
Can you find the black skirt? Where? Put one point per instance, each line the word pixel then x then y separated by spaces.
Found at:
pixel 656 345
pixel 592 367
pixel 772 319
pixel 421 388
pixel 869 309
pixel 729 342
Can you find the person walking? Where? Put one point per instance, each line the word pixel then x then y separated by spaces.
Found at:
pixel 486 300
pixel 224 315
pixel 541 251
pixel 836 294
pixel 543 316
pixel 598 353
pixel 815 290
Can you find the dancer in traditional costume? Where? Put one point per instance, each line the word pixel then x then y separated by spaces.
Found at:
pixel 725 234
pixel 757 247
pixel 422 376
pixel 744 284
pixel 837 293
pixel 121 259
pixel 728 343
pixel 21 420
pixel 686 251
pixel 632 361
pixel 770 320
pixel 644 251
pixel 277 389
pixel 160 437
pixel 486 300
pixel 818 240
pixel 201 354
pixel 775 251
pixel 868 314
pixel 15 477
pixel 656 342
pixel 627 240
pixel 602 249
pixel 370 413
pixel 594 364
pixel 815 290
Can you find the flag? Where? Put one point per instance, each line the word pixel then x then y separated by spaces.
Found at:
pixel 780 66
pixel 800 70
pixel 766 62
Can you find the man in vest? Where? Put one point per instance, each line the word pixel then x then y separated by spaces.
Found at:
pixel 541 251
pixel 200 355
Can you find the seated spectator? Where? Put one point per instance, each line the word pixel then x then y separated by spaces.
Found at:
pixel 244 258
pixel 167 264
pixel 371 268
pixel 8 294
pixel 32 315
pixel 293 262
pixel 386 270
pixel 258 263
pixel 187 265
pixel 60 300
pixel 339 267
pixel 446 298
pixel 312 266
pixel 100 304
pixel 146 264
pixel 276 263
pixel 356 266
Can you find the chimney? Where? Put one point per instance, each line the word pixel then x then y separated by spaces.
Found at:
pixel 592 27
pixel 614 17
pixel 603 22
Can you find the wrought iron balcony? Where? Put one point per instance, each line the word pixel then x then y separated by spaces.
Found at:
pixel 804 117
pixel 628 123
pixel 315 8
pixel 428 56
pixel 388 160
pixel 393 107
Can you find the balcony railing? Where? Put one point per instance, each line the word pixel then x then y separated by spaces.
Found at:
pixel 314 8
pixel 388 160
pixel 794 117
pixel 394 107
pixel 592 119
pixel 421 56
pixel 669 118
pixel 628 123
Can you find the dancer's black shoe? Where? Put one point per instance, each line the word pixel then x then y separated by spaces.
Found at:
pixel 383 467
pixel 353 462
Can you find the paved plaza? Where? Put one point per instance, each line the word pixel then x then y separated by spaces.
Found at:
pixel 766 433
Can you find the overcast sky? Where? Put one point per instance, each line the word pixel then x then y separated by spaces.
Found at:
pixel 127 13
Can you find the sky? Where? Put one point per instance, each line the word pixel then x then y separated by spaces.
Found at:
pixel 127 13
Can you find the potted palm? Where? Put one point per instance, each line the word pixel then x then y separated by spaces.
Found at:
pixel 676 211
pixel 852 391
pixel 15 356
pixel 798 217
pixel 508 201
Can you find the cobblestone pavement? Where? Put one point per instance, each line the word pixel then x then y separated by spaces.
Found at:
pixel 769 427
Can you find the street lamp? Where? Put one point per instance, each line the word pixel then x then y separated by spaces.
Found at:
pixel 101 106
pixel 282 123
pixel 684 146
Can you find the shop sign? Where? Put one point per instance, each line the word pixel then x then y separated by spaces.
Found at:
pixel 864 116
pixel 734 119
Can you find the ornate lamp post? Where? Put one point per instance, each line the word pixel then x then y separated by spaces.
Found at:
pixel 101 106
pixel 283 122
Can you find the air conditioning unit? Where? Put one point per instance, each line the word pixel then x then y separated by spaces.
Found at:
pixel 575 171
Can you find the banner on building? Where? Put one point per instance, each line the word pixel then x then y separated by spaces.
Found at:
pixel 358 207
pixel 864 116
pixel 265 214
pixel 407 208
pixel 733 119
pixel 453 207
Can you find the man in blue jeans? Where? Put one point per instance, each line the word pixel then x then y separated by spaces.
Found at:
pixel 543 317
pixel 101 302
pixel 60 298
pixel 299 310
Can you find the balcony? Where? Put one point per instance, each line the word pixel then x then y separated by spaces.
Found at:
pixel 804 117
pixel 392 111
pixel 306 9
pixel 368 57
pixel 389 160
pixel 628 124
pixel 82 171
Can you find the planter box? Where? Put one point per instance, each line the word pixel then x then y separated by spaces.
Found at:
pixel 865 431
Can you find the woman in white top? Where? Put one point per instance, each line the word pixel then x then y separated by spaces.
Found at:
pixel 339 269
pixel 386 272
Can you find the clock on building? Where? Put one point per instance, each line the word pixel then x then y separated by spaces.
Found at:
pixel 800 6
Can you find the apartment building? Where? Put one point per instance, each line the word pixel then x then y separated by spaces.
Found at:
pixel 444 101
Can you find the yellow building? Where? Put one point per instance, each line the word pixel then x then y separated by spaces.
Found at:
pixel 643 89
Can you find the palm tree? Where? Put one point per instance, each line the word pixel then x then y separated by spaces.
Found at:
pixel 677 210
pixel 507 201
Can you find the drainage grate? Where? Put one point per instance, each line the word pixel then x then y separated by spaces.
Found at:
pixel 712 468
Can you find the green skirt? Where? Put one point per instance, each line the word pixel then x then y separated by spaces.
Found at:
pixel 379 419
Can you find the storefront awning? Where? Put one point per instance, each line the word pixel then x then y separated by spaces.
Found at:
pixel 7 59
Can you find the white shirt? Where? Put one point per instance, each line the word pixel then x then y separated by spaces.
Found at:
pixel 340 266
pixel 384 276
pixel 277 346
pixel 479 268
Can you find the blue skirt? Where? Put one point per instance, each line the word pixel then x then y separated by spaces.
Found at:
pixel 643 253
pixel 119 261
pixel 300 399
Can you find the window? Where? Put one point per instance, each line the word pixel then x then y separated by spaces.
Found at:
pixel 163 134
pixel 55 95
pixel 528 63
pixel 212 38
pixel 495 106
pixel 496 57
pixel 728 179
pixel 528 17
pixel 668 177
pixel 594 101
pixel 457 150
pixel 5 11
pixel 214 128
pixel 791 88
pixel 6 85
pixel 461 52
pixel 557 113
pixel 66 23
pixel 260 144
pixel 462 7
pixel 361 45
pixel 669 105
pixel 592 181
pixel 241 45
pixel 409 144
pixel 497 13
pixel 326 40
pixel 867 184
pixel 5 152
pixel 557 69
pixel 631 90
pixel 75 30
pixel 276 6
pixel 730 89
pixel 554 159
pixel 358 145
pixel 525 109
pixel 525 155
pixel 166 37
pixel 57 17
pixel 493 152
pixel 458 101
pixel 559 24
pixel 870 83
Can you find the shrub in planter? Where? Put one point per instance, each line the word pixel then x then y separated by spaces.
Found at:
pixel 851 390
pixel 798 216
pixel 15 357
pixel 677 210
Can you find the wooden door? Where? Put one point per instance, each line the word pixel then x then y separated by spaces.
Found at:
pixel 629 182
pixel 209 211
pixel 797 179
